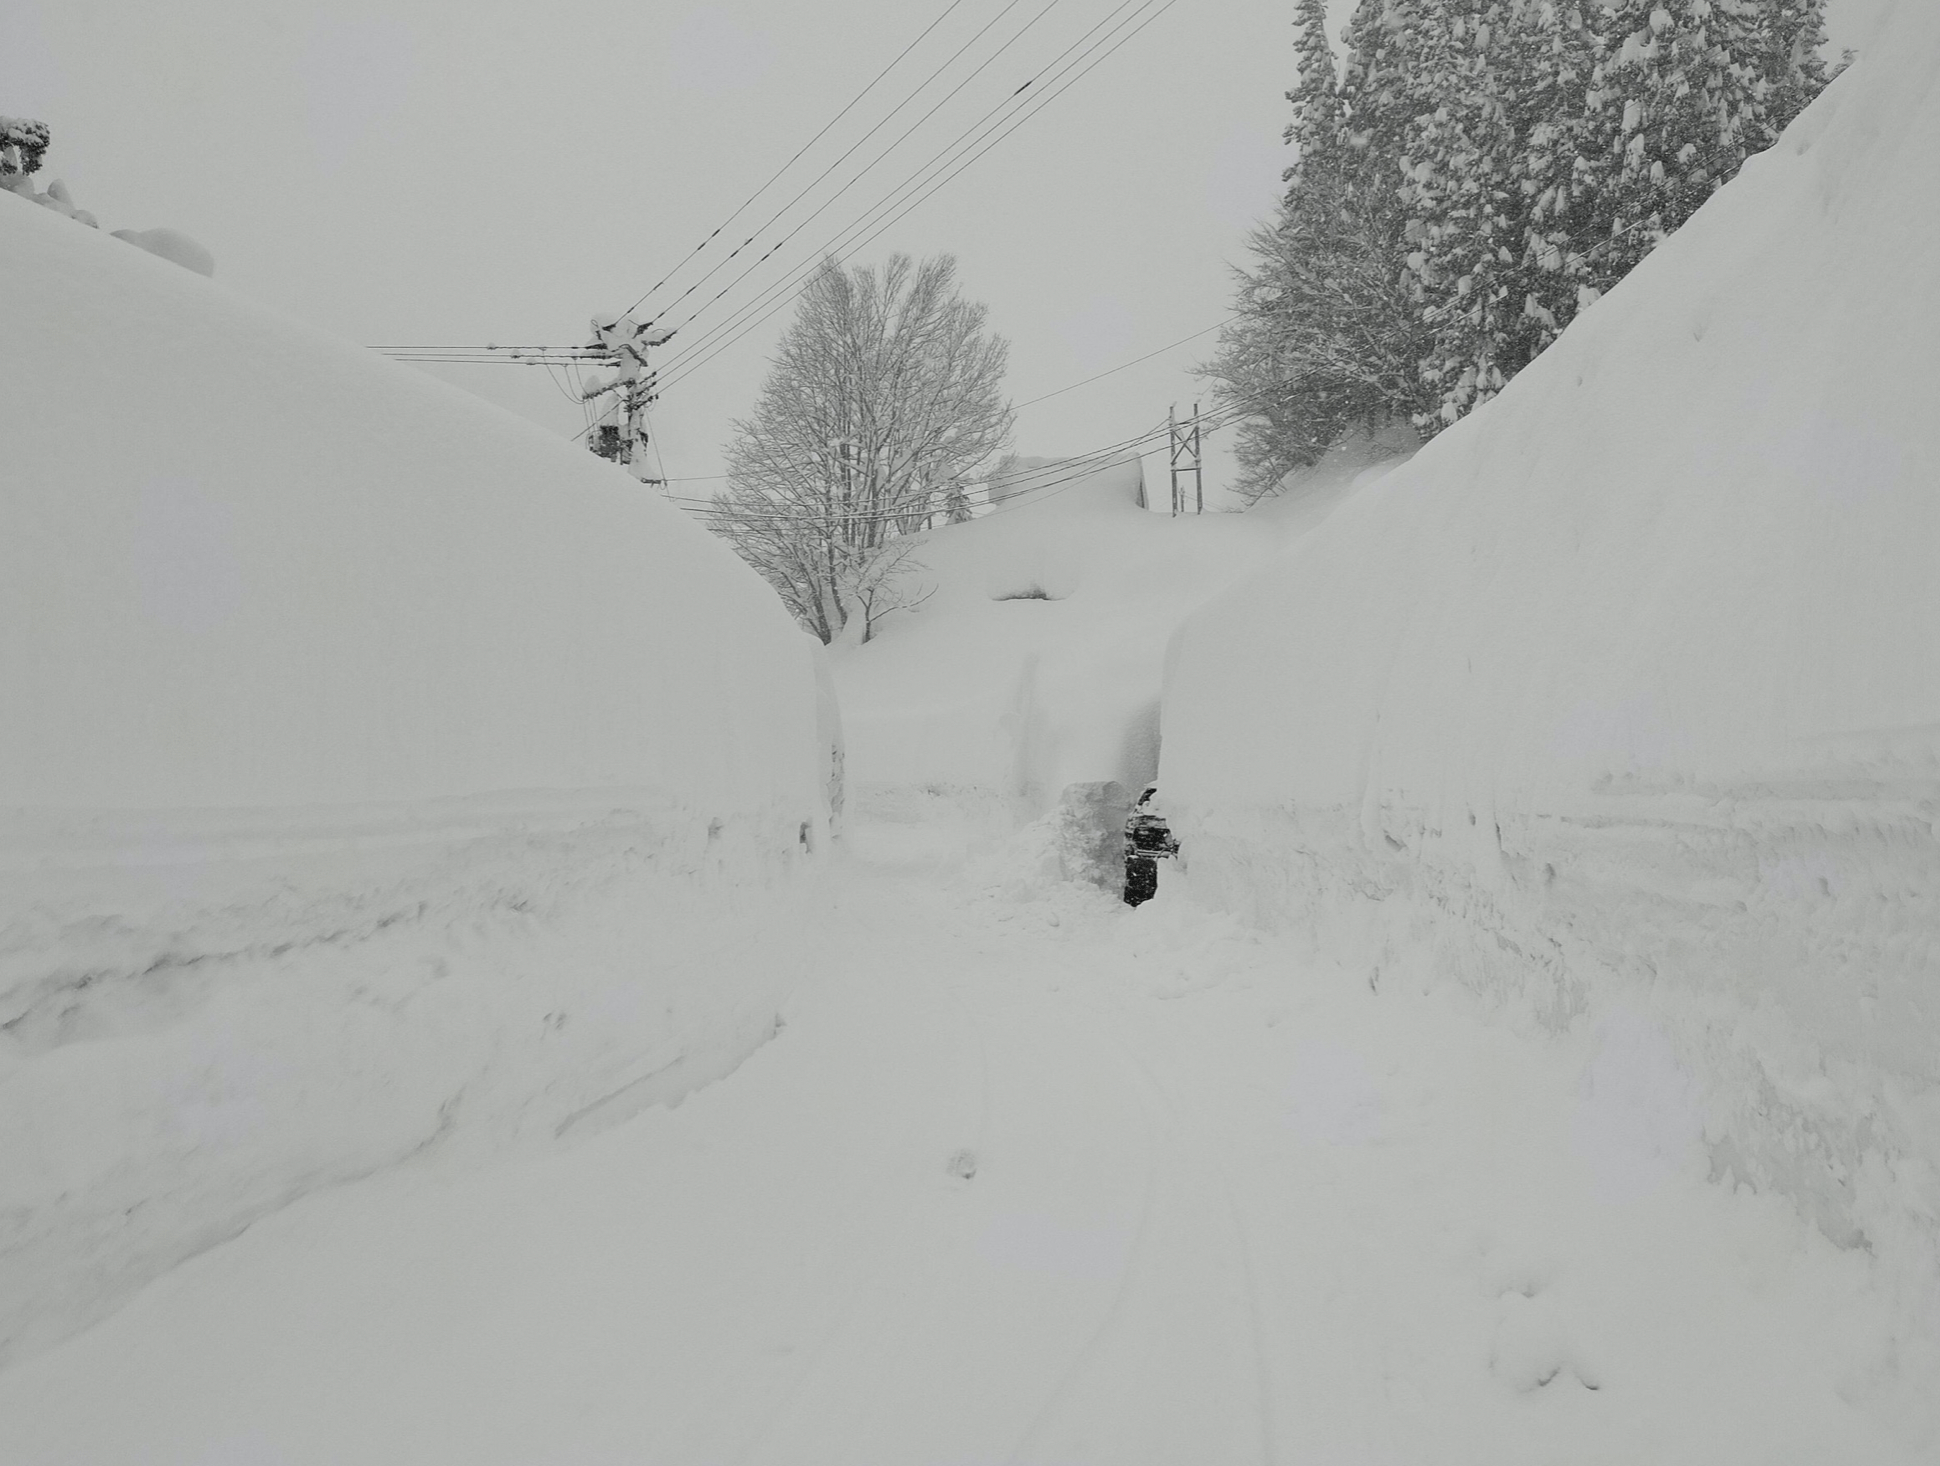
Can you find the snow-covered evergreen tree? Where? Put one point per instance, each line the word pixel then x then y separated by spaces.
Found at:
pixel 1379 91
pixel 1324 339
pixel 1553 56
pixel 1671 100
pixel 1314 132
pixel 1792 47
pixel 1682 93
pixel 1463 203
pixel 23 143
pixel 1478 172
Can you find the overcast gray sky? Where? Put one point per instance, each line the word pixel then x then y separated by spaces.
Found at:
pixel 463 171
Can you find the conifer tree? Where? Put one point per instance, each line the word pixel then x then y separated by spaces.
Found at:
pixel 1792 50
pixel 1379 94
pixel 1324 339
pixel 1555 54
pixel 1683 92
pixel 1478 173
pixel 1314 132
pixel 1464 223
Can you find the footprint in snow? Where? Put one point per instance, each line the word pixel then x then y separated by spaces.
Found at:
pixel 1533 1347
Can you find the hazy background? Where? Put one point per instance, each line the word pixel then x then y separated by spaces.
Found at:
pixel 440 172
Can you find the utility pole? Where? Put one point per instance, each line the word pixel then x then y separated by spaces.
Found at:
pixel 620 429
pixel 1184 440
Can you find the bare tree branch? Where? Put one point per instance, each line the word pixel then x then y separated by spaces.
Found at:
pixel 884 400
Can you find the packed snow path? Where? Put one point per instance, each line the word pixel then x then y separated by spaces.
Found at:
pixel 1025 1177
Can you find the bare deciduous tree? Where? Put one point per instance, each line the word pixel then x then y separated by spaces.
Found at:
pixel 884 402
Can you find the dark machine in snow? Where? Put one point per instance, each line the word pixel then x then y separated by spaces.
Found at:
pixel 1148 840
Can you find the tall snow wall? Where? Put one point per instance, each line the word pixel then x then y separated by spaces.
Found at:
pixel 378 774
pixel 1621 702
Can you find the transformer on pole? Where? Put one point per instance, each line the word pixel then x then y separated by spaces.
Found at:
pixel 620 427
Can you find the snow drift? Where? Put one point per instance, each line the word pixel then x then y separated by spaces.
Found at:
pixel 1624 696
pixel 1035 662
pixel 171 245
pixel 376 771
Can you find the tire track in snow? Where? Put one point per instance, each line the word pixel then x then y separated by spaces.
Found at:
pixel 868 1276
pixel 1151 1096
pixel 1256 1325
pixel 906 1302
pixel 1243 1248
pixel 1136 1265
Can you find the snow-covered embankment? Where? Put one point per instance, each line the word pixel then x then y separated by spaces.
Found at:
pixel 1622 701
pixel 376 771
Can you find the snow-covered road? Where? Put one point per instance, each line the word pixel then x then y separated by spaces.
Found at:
pixel 1029 1178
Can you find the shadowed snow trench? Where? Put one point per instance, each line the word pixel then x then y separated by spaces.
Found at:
pixel 1026 1177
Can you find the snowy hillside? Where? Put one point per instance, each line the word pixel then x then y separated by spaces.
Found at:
pixel 1035 663
pixel 375 771
pixel 1622 700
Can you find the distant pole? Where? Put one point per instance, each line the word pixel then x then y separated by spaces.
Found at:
pixel 1172 439
pixel 1184 444
pixel 1198 474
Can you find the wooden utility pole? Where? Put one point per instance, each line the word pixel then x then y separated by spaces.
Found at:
pixel 1184 439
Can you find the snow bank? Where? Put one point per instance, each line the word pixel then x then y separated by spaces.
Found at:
pixel 248 564
pixel 1062 487
pixel 376 772
pixel 1035 663
pixel 171 245
pixel 1624 696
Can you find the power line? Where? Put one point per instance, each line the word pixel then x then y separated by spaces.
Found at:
pixel 743 206
pixel 687 364
pixel 529 358
pixel 571 356
pixel 466 354
pixel 867 168
pixel 516 355
pixel 1050 473
pixel 851 151
pixel 922 174
pixel 1127 365
pixel 548 356
pixel 1054 478
pixel 1058 477
pixel 697 478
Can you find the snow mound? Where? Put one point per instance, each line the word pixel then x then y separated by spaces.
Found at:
pixel 1035 662
pixel 1056 486
pixel 1627 690
pixel 378 774
pixel 172 244
pixel 169 244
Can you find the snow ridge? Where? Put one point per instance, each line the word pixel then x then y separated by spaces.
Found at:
pixel 1624 696
pixel 380 777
